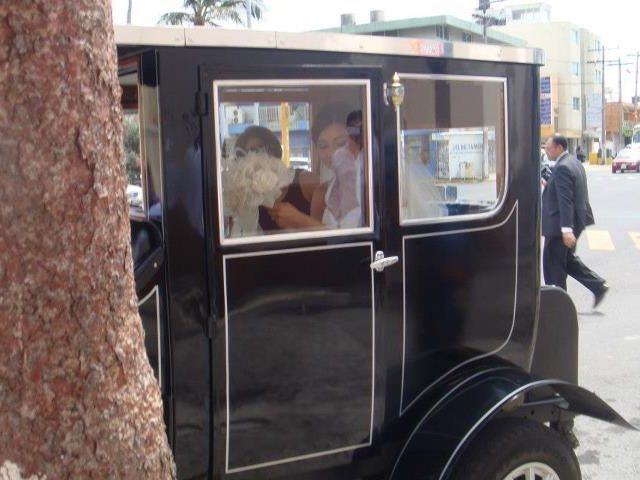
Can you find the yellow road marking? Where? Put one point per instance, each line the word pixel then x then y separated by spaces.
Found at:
pixel 635 236
pixel 599 240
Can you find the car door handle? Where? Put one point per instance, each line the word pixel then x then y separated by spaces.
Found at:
pixel 381 262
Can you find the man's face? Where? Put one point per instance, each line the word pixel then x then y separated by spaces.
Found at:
pixel 553 150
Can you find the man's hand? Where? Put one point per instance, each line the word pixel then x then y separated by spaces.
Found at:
pixel 569 239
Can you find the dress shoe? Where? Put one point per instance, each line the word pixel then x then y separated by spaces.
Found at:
pixel 599 295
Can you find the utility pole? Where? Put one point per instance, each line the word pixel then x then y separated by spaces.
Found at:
pixel 603 145
pixel 635 97
pixel 621 134
pixel 484 6
pixel 129 12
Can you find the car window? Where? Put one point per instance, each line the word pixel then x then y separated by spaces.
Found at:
pixel 293 158
pixel 452 146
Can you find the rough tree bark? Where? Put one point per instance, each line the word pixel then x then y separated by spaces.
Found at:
pixel 78 398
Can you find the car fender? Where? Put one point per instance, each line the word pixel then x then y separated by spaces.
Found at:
pixel 450 423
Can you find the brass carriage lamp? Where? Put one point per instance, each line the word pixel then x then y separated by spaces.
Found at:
pixel 395 91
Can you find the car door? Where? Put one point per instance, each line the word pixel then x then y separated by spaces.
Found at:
pixel 453 226
pixel 295 303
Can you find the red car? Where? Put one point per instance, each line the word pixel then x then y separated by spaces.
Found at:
pixel 627 159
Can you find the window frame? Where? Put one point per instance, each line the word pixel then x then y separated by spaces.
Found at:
pixel 148 108
pixel 575 69
pixel 126 68
pixel 500 200
pixel 306 234
pixel 575 37
pixel 576 104
pixel 442 32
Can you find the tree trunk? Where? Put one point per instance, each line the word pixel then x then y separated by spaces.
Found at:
pixel 78 398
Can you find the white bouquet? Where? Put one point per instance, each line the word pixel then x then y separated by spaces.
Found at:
pixel 248 182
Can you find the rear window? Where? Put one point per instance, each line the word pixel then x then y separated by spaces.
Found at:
pixel 452 147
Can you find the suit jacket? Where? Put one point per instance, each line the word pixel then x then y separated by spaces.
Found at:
pixel 565 201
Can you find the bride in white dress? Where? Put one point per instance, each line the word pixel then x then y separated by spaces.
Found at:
pixel 337 199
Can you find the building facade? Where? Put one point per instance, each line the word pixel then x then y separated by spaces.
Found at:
pixel 620 120
pixel 571 61
pixel 443 27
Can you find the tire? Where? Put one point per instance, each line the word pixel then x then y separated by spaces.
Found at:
pixel 509 444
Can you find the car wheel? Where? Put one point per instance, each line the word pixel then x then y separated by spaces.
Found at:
pixel 517 449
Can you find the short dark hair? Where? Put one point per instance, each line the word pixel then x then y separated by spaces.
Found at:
pixel 268 138
pixel 560 140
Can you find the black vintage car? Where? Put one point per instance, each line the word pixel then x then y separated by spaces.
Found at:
pixel 337 257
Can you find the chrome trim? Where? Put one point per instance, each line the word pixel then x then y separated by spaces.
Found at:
pixel 505 189
pixel 324 42
pixel 381 262
pixel 155 291
pixel 404 304
pixel 435 406
pixel 303 235
pixel 226 337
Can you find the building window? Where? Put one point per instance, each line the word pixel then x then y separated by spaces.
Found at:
pixel 575 69
pixel 575 37
pixel 576 103
pixel 442 31
pixel 466 37
pixel 597 45
pixel 598 76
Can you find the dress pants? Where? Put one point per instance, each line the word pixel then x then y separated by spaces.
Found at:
pixel 558 261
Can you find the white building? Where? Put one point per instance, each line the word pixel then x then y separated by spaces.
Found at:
pixel 571 60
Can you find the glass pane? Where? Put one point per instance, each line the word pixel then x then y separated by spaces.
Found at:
pixel 452 158
pixel 132 152
pixel 293 157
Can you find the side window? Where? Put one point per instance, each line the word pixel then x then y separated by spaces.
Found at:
pixel 293 158
pixel 132 145
pixel 451 146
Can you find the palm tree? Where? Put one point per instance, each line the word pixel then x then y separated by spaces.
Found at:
pixel 209 12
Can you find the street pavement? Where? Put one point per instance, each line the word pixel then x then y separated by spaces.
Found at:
pixel 610 335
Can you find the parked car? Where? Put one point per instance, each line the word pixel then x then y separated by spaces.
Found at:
pixel 627 159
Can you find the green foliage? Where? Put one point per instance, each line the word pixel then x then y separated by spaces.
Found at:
pixel 210 12
pixel 132 148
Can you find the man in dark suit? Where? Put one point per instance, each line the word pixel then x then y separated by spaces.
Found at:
pixel 565 214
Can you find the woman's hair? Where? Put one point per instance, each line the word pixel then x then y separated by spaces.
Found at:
pixel 328 115
pixel 270 141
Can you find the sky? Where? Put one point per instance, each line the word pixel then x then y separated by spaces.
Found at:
pixel 617 22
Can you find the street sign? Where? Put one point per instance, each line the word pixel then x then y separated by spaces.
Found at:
pixel 594 111
pixel 546 110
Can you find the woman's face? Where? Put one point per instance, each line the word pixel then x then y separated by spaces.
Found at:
pixel 330 139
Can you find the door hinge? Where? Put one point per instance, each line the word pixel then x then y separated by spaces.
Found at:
pixel 202 105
